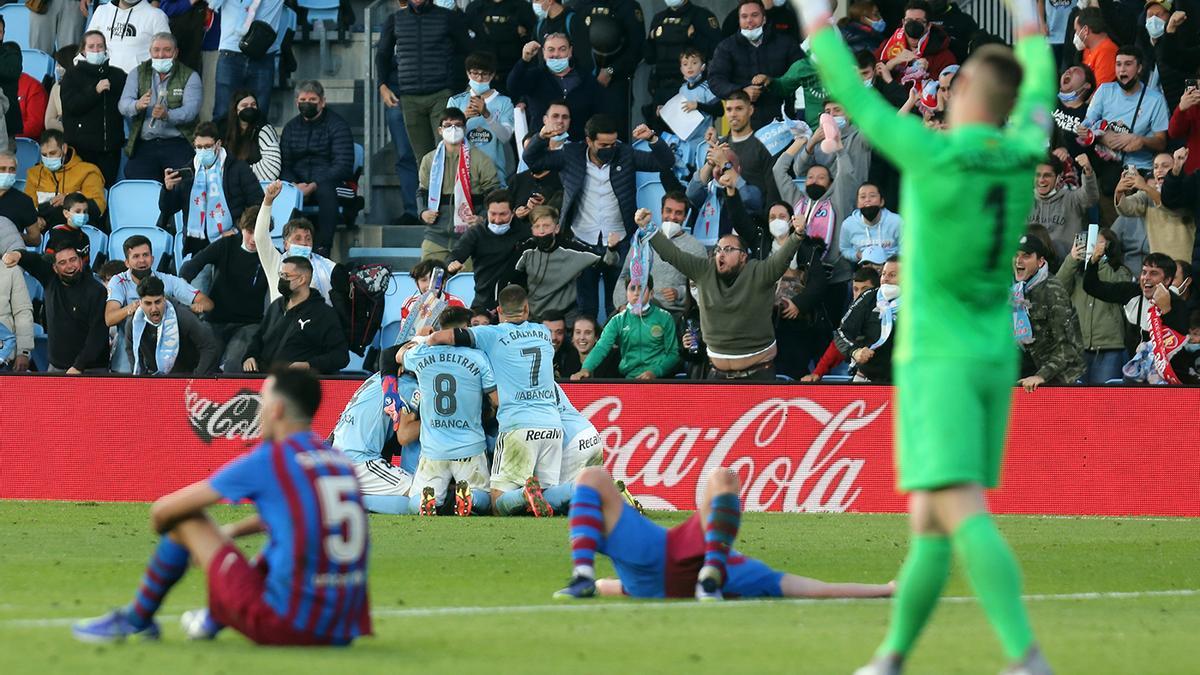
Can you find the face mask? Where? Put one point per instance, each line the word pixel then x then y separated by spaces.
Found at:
pixel 1068 96
pixel 752 34
pixel 778 227
pixel 914 29
pixel 815 191
pixel 79 219
pixel 299 250
pixel 52 163
pixel 561 138
pixel 840 121
pixel 606 155
pixel 1128 86
pixel 1192 347
pixel 539 11
pixel 889 291
pixel 96 58
pixel 695 78
pixel 500 228
pixel 1155 26
pixel 558 65
pixel 452 135
pixel 878 25
pixel 478 88
pixel 285 288
pixel 545 242
pixel 674 3
pixel 162 66
pixel 248 115
pixel 140 274
pixel 869 83
pixel 7 180
pixel 444 4
pixel 671 228
pixel 1078 42
pixel 870 212
pixel 308 109
pixel 206 156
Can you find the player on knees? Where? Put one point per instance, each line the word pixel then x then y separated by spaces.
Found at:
pixel 453 381
pixel 310 586
pixel 583 448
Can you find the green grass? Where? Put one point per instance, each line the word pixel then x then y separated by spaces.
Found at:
pixel 63 560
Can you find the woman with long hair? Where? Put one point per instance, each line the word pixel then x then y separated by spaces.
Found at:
pixel 250 138
pixel 91 122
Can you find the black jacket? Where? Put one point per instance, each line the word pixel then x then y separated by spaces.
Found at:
pixel 308 332
pixel 1182 192
pixel 318 151
pixel 10 76
pixel 242 190
pixel 571 164
pixel 523 185
pixel 421 50
pixel 533 83
pixel 671 30
pixel 735 63
pixel 861 327
pixel 495 257
pixel 74 316
pixel 240 285
pixel 199 351
pixel 497 26
pixel 627 15
pixel 91 121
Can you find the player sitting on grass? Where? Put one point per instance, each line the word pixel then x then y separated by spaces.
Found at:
pixel 453 381
pixel 695 557
pixel 310 585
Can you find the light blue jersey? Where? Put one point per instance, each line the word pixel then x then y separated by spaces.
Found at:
pixel 573 423
pixel 453 382
pixel 492 135
pixel 522 359
pixel 363 427
pixel 122 288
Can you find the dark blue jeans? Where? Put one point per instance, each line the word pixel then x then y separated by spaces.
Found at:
pixel 152 158
pixel 1104 365
pixel 237 71
pixel 406 160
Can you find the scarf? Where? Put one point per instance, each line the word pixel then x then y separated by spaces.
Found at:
pixel 464 210
pixel 8 345
pixel 428 308
pixel 782 132
pixel 708 222
pixel 818 217
pixel 1022 327
pixel 899 42
pixel 641 255
pixel 208 213
pixel 887 317
pixel 167 349
pixel 1151 363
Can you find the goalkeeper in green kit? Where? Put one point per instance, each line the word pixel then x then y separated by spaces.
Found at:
pixel 966 199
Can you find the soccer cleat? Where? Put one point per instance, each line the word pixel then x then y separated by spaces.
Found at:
pixel 708 584
pixel 580 587
pixel 198 624
pixel 428 502
pixel 538 505
pixel 882 665
pixel 113 627
pixel 462 499
pixel 1033 664
pixel 629 498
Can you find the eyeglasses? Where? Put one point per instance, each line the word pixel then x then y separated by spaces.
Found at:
pixel 728 249
pixel 451 125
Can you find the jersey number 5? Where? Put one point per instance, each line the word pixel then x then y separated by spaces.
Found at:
pixel 344 519
pixel 995 200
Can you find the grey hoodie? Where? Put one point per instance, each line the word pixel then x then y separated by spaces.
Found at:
pixel 1064 213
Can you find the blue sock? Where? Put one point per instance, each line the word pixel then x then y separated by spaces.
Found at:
pixel 481 502
pixel 389 504
pixel 559 496
pixel 724 517
pixel 166 567
pixel 586 529
pixel 512 503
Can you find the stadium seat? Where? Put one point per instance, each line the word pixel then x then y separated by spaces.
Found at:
pixel 649 197
pixel 41 348
pixel 37 64
pixel 161 243
pixel 16 23
pixel 134 203
pixel 320 10
pixel 98 241
pixel 355 367
pixel 359 154
pixel 287 203
pixel 400 289
pixel 836 379
pixel 28 155
pixel 462 285
pixel 34 287
pixel 387 334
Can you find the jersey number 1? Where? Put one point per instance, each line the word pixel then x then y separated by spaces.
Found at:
pixel 343 519
pixel 995 201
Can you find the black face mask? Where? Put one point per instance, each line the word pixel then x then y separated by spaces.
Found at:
pixel 1128 86
pixel 914 29
pixel 870 212
pixel 70 279
pixel 308 109
pixel 606 155
pixel 249 115
pixel 815 191
pixel 545 242
pixel 140 274
pixel 285 288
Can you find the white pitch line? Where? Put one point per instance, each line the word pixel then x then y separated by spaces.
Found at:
pixel 573 607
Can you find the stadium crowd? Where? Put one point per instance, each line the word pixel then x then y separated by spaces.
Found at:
pixel 738 146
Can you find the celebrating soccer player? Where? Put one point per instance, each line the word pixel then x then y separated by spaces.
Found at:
pixel 956 363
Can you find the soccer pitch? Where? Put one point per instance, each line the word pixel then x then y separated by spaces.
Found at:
pixel 473 595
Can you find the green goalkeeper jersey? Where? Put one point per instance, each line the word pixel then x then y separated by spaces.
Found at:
pixel 967 195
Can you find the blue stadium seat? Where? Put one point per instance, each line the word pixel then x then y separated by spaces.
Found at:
pixel 134 203
pixel 359 154
pixel 41 348
pixel 37 64
pixel 836 379
pixel 28 155
pixel 289 200
pixel 36 292
pixel 16 23
pixel 649 197
pixel 400 289
pixel 98 241
pixel 161 243
pixel 355 367
pixel 462 285
pixel 388 334
pixel 320 10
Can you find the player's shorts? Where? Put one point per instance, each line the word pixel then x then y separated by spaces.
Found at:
pixel 438 473
pixel 584 450
pixel 521 453
pixel 236 598
pixel 952 419
pixel 377 477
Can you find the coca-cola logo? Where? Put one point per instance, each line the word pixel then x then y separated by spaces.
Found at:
pixel 808 474
pixel 232 420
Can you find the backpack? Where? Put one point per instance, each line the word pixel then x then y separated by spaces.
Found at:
pixel 368 285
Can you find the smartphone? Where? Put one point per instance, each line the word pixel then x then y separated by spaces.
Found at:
pixel 1131 169
pixel 1191 84
pixel 184 171
pixel 1081 241
pixel 537 196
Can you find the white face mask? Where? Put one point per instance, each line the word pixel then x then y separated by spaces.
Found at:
pixel 671 229
pixel 1155 26
pixel 752 34
pixel 889 292
pixel 779 227
pixel 1078 42
pixel 452 135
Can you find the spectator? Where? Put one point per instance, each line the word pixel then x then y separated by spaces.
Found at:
pixel 721 197
pixel 16 316
pixel 682 27
pixel 553 16
pixel 92 120
pixel 212 196
pixel 191 25
pixel 1044 319
pixel 10 238
pixel 1183 285
pixel 1164 72
pixel 129 26
pixel 1101 324
pixel 531 189
pixel 749 61
pixel 866 334
pixel 1075 89
pixel 1135 298
pixel 110 269
pixel 697 96
pixel 298 329
pixel 672 284
pixel 420 52
pixel 161 100
pixel 780 18
pixel 481 318
pixel 552 264
pixel 60 22
pixel 17 206
pixel 1057 18
pixel 871 226
pixel 865 278
pixel 10 77
pixel 863 28
pixel 960 26
pixel 1180 189
pixel 1169 231
pixel 422 273
pixel 239 289
pixel 501 28
pixel 754 160
pixel 317 151
pixel 1099 52
pixel 1185 126
pixel 166 339
pixel 599 195
pixel 646 338
pixel 250 138
pixel 494 249
pixel 552 78
pixel 1061 210
pixel 69 233
pixel 802 327
pixel 453 179
pixel 237 69
pixel 736 297
pixel 33 101
pixel 918 49
pixel 60 173
pixel 331 279
pixel 489 113
pixel 74 306
pixel 556 323
pixel 612 49
pixel 584 334
pixel 1190 357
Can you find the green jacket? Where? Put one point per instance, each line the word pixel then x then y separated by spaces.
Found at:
pixel 1102 324
pixel 802 74
pixel 175 86
pixel 1057 348
pixel 646 342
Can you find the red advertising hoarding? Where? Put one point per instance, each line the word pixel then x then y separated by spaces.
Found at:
pixel 1072 451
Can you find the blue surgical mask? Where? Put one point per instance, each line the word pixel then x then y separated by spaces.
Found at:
pixel 539 11
pixel 1191 347
pixel 445 4
pixel 1068 96
pixel 561 138
pixel 79 219
pixel 96 58
pixel 840 121
pixel 674 3
pixel 7 180
pixel 558 65
pixel 478 88
pixel 695 78
pixel 879 25
pixel 162 66
pixel 1155 26
pixel 752 34
pixel 206 156
pixel 299 250
pixel 52 163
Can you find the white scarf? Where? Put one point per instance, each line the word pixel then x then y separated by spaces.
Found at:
pixel 208 212
pixel 167 349
pixel 887 317
pixel 464 210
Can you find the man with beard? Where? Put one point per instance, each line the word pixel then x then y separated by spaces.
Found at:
pixel 74 310
pixel 166 338
pixel 736 299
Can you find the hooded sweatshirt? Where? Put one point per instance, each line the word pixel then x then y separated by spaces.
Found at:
pixel 551 274
pixel 1064 213
pixel 128 31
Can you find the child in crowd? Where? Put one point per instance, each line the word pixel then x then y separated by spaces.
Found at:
pixel 552 263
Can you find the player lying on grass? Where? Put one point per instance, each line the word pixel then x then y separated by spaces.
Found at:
pixel 309 587
pixel 695 557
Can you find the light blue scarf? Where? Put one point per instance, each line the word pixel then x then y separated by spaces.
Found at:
pixel 887 317
pixel 1022 327
pixel 8 345
pixel 641 255
pixel 167 349
pixel 208 212
pixel 708 222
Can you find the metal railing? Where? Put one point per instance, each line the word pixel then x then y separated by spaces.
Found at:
pixel 991 15
pixel 375 134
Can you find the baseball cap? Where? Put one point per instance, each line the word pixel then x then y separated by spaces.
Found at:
pixel 874 255
pixel 1031 244
pixel 1167 4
